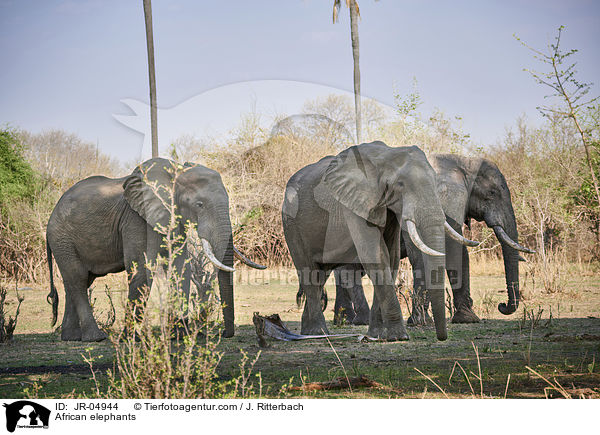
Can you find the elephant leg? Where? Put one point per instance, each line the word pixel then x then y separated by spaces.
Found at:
pixel 183 271
pixel 361 306
pixel 377 261
pixel 184 274
pixel 420 305
pixel 343 309
pixel 70 330
pixel 89 327
pixel 140 283
pixel 140 257
pixel 78 320
pixel 386 303
pixel 375 319
pixel 312 282
pixel 457 266
pixel 76 286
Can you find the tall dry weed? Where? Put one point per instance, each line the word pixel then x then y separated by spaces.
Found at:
pixel 549 271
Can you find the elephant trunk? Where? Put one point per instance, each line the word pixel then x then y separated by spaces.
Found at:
pixel 435 272
pixel 511 270
pixel 435 269
pixel 224 253
pixel 511 264
pixel 430 223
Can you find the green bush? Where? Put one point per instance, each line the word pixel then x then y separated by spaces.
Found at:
pixel 21 244
pixel 17 179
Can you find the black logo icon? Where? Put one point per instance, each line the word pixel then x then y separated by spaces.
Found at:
pixel 26 414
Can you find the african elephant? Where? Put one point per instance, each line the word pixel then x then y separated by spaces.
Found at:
pixel 104 225
pixel 349 209
pixel 468 188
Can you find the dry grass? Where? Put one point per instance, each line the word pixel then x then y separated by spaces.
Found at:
pixel 564 349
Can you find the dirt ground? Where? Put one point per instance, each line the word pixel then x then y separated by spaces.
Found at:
pixel 556 335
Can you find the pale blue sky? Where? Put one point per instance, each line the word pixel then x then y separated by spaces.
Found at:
pixel 67 64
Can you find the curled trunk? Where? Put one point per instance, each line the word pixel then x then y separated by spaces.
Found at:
pixel 511 270
pixel 511 264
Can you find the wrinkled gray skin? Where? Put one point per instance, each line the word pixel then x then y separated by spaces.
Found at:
pixel 468 188
pixel 103 225
pixel 348 209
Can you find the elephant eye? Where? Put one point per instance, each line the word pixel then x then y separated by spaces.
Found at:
pixel 199 204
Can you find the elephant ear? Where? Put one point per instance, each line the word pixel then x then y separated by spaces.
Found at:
pixel 147 190
pixel 352 178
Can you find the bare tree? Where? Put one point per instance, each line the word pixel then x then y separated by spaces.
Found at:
pixel 561 79
pixel 354 17
pixel 151 75
pixel 65 158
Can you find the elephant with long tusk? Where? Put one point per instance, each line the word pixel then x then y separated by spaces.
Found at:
pixel 104 225
pixel 350 209
pixel 468 188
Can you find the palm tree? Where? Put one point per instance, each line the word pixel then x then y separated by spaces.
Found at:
pixel 354 17
pixel 152 76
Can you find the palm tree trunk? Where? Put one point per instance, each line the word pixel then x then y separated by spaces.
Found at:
pixel 152 76
pixel 353 7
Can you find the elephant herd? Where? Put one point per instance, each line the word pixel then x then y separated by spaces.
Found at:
pixel 355 213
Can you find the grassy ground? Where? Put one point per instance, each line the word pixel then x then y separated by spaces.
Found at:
pixel 557 335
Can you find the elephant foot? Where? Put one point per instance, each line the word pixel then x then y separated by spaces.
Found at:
pixel 70 334
pixel 375 332
pixel 419 319
pixel 396 336
pixel 465 315
pixel 227 333
pixel 391 333
pixel 396 332
pixel 376 328
pixel 97 335
pixel 313 320
pixel 314 329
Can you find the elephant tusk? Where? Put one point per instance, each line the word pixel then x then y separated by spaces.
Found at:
pixel 246 260
pixel 414 236
pixel 503 237
pixel 458 237
pixel 211 256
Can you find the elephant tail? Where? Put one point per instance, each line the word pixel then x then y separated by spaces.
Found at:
pixel 52 297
